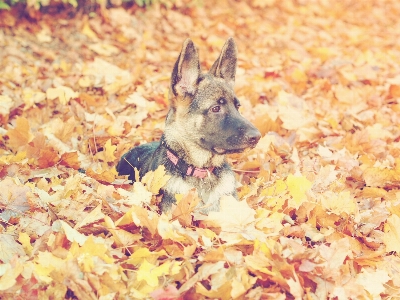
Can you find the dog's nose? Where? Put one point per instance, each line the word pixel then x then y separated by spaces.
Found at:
pixel 252 137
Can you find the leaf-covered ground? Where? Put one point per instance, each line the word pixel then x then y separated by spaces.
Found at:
pixel 319 216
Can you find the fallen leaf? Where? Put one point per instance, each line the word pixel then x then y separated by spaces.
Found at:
pixel 21 135
pixel 155 180
pixel 297 186
pixel 9 248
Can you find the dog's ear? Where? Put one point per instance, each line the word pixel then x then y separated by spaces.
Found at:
pixel 186 72
pixel 225 66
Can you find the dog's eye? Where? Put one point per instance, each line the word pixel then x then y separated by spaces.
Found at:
pixel 237 105
pixel 215 108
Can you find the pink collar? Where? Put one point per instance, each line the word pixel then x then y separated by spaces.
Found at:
pixel 190 170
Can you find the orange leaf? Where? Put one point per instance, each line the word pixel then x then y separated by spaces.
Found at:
pixel 102 175
pixel 394 91
pixel 20 135
pixel 48 158
pixel 70 159
pixel 185 207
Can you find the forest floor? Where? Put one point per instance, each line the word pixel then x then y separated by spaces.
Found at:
pixel 319 209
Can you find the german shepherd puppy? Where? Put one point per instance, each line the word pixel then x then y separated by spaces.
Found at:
pixel 202 125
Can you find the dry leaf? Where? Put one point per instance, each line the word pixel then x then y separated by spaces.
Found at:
pixel 21 135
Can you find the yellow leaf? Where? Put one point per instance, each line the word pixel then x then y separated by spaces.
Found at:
pixel 72 234
pixel 86 30
pixel 297 186
pixel 278 188
pixel 271 222
pixel 170 230
pixel 155 180
pixel 64 94
pixel 223 292
pixel 25 241
pixel 298 75
pixel 323 53
pixel 379 177
pixel 45 263
pixel 92 217
pixel 108 153
pixel 142 254
pixel 104 49
pixel 9 159
pixel 391 237
pixel 125 219
pixel 10 273
pixel 146 273
pixel 91 248
pixel 168 268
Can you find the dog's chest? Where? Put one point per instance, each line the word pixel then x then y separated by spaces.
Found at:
pixel 210 189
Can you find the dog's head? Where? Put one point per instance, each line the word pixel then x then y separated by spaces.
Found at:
pixel 204 108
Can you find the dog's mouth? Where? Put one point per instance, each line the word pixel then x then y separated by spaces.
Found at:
pixel 228 151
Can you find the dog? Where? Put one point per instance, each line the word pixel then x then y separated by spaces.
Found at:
pixel 202 126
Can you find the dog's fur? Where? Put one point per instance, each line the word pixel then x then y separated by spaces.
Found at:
pixel 202 125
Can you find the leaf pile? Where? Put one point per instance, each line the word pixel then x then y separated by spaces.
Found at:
pixel 319 216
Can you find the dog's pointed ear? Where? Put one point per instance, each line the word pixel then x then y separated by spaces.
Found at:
pixel 225 66
pixel 186 72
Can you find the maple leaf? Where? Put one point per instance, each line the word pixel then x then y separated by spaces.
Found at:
pixel 150 272
pixel 373 281
pixel 155 180
pixel 140 217
pixel 106 74
pixel 338 203
pixel 71 234
pixel 138 195
pixel 143 253
pixel 70 159
pixel 14 198
pixel 9 273
pixel 47 158
pixel 391 237
pixel 92 217
pixel 107 155
pixel 185 207
pixel 9 247
pixel 297 186
pixel 203 272
pixel 236 219
pixel 25 241
pixel 170 230
pixel 100 173
pixel 21 135
pixel 63 93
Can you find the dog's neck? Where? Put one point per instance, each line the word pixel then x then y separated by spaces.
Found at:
pixel 184 168
pixel 193 154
